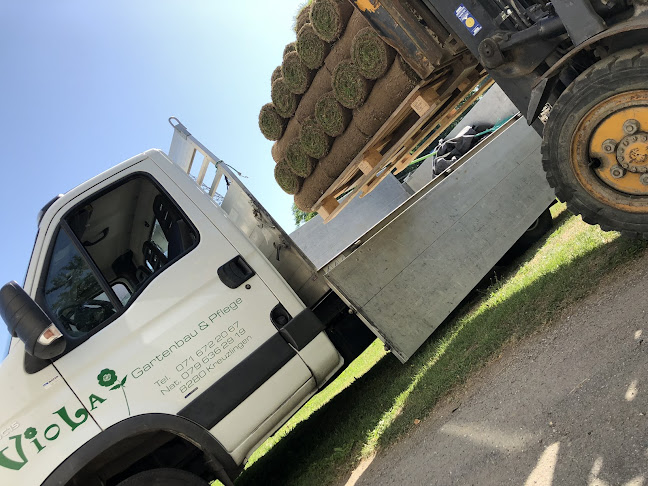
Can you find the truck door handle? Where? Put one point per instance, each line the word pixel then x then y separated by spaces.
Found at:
pixel 235 272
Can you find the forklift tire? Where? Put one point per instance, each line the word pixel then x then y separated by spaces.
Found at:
pixel 164 477
pixel 590 127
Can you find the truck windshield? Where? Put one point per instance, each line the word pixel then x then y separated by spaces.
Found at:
pixel 72 292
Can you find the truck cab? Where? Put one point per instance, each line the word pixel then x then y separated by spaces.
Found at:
pixel 177 337
pixel 164 330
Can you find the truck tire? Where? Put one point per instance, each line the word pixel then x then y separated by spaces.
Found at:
pixel 536 231
pixel 164 477
pixel 539 227
pixel 595 144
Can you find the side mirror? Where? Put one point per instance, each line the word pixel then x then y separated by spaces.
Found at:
pixel 26 320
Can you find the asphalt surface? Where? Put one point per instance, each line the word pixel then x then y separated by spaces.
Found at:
pixel 567 406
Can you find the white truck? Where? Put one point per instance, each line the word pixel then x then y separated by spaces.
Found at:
pixel 161 336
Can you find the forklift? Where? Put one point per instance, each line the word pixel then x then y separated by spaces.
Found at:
pixel 577 70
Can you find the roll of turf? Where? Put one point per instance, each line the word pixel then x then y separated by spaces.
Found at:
pixel 331 115
pixel 298 161
pixel 280 147
pixel 320 85
pixel 350 87
pixel 272 126
pixel 276 74
pixel 330 17
pixel 388 92
pixel 371 54
pixel 344 150
pixel 296 74
pixel 287 180
pixel 311 49
pixel 312 189
pixel 341 50
pixel 284 100
pixel 314 140
pixel 292 47
pixel 303 17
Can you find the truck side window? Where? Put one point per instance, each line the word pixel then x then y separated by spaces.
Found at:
pixel 72 292
pixel 131 232
pixel 109 248
pixel 157 237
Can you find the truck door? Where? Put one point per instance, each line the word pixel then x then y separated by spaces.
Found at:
pixel 160 313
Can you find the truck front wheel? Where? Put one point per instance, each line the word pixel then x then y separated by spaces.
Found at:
pixel 595 147
pixel 164 477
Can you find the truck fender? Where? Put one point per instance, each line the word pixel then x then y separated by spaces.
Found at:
pixel 216 456
pixel 542 89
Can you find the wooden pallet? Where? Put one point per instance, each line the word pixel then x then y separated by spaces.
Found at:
pixel 430 108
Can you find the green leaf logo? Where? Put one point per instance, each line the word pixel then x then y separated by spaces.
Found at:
pixel 108 377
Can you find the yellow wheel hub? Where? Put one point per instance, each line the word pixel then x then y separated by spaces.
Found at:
pixel 632 153
pixel 609 151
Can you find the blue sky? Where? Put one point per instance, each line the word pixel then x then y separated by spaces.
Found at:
pixel 88 84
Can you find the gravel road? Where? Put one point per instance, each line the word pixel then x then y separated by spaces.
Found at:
pixel 567 406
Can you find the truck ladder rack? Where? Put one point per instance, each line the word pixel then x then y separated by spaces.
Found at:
pixel 248 214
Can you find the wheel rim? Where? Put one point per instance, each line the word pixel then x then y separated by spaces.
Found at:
pixel 609 151
pixel 535 224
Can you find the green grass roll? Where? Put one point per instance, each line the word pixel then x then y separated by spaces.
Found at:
pixel 272 125
pixel 287 180
pixel 311 49
pixel 371 54
pixel 330 17
pixel 350 87
pixel 296 74
pixel 298 161
pixel 314 140
pixel 331 115
pixel 284 100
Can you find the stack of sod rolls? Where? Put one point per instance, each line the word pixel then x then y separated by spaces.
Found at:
pixel 337 85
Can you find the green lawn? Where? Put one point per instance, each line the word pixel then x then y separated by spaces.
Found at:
pixel 377 399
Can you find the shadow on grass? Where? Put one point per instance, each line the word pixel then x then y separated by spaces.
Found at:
pixel 383 404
